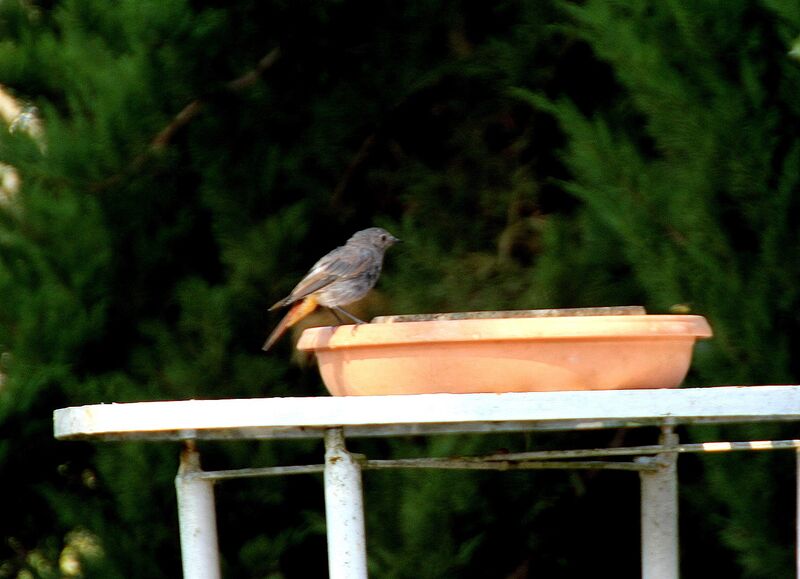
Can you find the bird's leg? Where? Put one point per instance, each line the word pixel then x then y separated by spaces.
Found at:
pixel 337 310
pixel 336 315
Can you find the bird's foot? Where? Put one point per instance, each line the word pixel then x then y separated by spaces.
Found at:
pixel 337 310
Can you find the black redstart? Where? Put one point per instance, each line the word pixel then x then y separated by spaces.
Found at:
pixel 343 276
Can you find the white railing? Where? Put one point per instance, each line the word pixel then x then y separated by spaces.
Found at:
pixel 336 419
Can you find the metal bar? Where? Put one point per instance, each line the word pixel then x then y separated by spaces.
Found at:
pixel 260 472
pixel 464 464
pixel 797 514
pixel 429 463
pixel 197 518
pixel 537 460
pixel 344 510
pixel 648 449
pixel 659 514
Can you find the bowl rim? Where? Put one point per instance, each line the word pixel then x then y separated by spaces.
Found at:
pixel 582 328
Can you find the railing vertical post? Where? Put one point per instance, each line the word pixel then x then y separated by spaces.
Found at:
pixel 344 510
pixel 659 514
pixel 197 518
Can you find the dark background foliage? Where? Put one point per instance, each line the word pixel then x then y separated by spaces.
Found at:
pixel 530 154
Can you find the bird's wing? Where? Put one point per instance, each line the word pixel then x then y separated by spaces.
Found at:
pixel 341 263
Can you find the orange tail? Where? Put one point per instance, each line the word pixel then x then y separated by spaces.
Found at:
pixel 299 311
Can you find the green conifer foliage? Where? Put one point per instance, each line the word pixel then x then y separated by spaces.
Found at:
pixel 693 173
pixel 196 158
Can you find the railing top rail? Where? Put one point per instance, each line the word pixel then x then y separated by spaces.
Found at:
pixel 425 414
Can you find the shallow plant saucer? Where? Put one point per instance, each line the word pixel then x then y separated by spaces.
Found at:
pixel 517 351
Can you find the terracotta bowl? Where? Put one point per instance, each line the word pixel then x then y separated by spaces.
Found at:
pixel 506 354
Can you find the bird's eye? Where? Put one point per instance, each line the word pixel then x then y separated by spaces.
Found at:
pixel 383 237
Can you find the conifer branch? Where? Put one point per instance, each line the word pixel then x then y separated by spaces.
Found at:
pixel 189 112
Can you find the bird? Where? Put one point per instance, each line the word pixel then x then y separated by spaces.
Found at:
pixel 341 277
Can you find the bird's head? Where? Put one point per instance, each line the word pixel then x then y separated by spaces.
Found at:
pixel 375 236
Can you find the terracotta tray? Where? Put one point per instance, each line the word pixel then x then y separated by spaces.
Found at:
pixel 516 352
